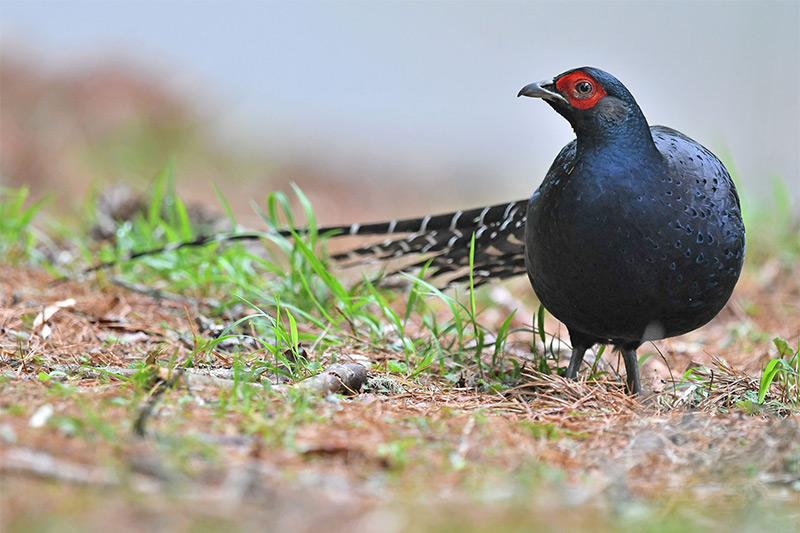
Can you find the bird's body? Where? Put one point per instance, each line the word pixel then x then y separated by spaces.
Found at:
pixel 635 234
pixel 635 253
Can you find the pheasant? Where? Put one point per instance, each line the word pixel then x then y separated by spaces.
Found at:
pixel 634 235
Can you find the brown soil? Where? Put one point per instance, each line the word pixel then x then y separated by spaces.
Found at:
pixel 430 454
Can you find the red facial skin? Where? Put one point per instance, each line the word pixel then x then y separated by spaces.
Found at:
pixel 567 86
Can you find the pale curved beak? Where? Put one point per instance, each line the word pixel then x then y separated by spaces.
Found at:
pixel 542 89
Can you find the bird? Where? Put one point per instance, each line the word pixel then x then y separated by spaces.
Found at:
pixel 635 233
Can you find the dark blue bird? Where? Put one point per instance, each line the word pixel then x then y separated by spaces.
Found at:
pixel 635 234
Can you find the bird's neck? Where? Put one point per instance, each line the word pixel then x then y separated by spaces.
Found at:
pixel 631 141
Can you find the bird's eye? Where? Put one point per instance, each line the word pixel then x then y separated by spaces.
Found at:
pixel 583 88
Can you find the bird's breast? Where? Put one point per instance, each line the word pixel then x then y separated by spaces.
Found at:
pixel 612 251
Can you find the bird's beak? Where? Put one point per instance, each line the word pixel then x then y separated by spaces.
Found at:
pixel 542 89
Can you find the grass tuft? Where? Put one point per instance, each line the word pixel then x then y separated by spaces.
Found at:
pixel 18 236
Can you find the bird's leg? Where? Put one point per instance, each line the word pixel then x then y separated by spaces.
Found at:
pixel 575 360
pixel 632 370
pixel 580 343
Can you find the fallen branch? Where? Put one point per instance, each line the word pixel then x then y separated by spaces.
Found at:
pixel 348 378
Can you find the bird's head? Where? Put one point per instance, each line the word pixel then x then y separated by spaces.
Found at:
pixel 593 101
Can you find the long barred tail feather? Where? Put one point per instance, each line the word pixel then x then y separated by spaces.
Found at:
pixel 443 240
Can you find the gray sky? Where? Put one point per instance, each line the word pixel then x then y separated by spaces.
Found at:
pixel 429 89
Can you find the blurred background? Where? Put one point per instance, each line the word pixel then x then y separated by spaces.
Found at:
pixel 376 109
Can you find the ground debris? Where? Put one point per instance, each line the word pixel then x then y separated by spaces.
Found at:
pixel 424 437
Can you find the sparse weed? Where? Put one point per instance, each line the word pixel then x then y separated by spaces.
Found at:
pixel 302 288
pixel 724 388
pixel 18 236
pixel 785 369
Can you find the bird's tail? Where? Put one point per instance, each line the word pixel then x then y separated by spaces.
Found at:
pixel 443 240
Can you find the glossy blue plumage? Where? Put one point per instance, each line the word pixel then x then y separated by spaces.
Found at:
pixel 636 232
pixel 616 252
